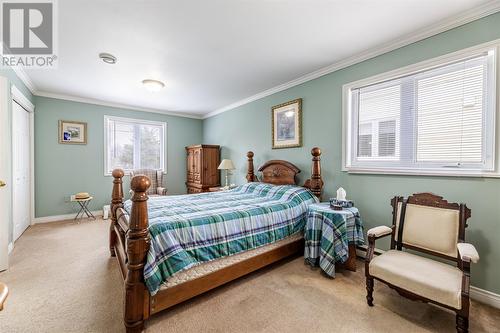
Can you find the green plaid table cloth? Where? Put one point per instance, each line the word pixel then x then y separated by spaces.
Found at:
pixel 328 235
pixel 187 230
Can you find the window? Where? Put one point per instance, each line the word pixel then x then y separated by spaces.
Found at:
pixel 387 138
pixel 133 144
pixel 437 117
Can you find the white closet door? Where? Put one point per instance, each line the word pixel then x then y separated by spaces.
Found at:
pixel 5 163
pixel 20 169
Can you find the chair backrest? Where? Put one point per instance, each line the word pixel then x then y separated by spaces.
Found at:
pixel 430 224
pixel 155 176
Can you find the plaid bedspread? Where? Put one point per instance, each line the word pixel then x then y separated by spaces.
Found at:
pixel 328 235
pixel 187 230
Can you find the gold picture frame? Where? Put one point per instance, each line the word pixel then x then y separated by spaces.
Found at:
pixel 287 124
pixel 72 132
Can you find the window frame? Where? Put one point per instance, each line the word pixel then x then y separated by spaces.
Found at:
pixel 492 142
pixel 163 149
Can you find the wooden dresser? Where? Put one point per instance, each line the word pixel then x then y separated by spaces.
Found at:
pixel 202 163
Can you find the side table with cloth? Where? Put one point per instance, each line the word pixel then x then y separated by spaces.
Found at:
pixel 328 235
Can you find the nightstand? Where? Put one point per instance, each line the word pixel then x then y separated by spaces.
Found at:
pixel 331 237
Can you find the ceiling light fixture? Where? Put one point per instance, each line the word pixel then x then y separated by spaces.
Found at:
pixel 107 58
pixel 153 85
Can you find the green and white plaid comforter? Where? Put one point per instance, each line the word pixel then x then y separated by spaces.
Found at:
pixel 187 230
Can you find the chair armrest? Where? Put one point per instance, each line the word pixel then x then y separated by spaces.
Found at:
pixel 379 231
pixel 373 234
pixel 161 190
pixel 468 252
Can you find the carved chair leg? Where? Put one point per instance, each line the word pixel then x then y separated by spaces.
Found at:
pixel 462 324
pixel 369 291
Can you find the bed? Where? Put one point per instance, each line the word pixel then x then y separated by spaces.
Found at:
pixel 159 276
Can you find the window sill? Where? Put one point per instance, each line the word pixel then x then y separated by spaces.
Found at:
pixel 423 172
pixel 126 173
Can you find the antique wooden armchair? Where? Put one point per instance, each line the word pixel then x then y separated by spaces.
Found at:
pixel 426 223
pixel 156 178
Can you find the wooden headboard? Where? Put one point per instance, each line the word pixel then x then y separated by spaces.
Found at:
pixel 280 172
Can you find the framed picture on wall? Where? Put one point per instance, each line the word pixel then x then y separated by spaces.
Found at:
pixel 287 124
pixel 72 132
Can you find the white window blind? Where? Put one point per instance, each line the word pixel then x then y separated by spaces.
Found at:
pixel 450 113
pixel 134 144
pixel 379 109
pixel 439 118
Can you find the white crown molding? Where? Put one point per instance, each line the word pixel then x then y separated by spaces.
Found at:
pixel 19 97
pixel 23 76
pixel 114 105
pixel 476 13
pixel 58 218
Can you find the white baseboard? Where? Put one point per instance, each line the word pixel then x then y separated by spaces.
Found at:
pixel 56 218
pixel 10 247
pixel 485 296
pixel 477 294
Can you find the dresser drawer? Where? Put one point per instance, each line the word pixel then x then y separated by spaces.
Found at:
pixel 192 190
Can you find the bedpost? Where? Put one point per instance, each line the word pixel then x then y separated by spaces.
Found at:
pixel 137 248
pixel 250 174
pixel 116 202
pixel 315 183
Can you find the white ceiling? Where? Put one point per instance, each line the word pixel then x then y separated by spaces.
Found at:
pixel 213 53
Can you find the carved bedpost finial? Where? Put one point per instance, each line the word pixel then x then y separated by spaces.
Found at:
pixel 116 202
pixel 315 183
pixel 138 242
pixel 250 173
pixel 316 152
pixel 140 184
pixel 117 195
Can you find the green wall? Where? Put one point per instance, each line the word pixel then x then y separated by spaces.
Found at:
pixel 62 170
pixel 249 128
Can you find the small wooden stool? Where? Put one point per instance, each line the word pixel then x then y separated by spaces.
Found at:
pixel 84 208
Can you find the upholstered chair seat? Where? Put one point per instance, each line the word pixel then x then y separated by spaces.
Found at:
pixel 156 178
pixel 425 277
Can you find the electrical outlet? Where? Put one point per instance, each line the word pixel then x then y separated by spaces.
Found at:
pixel 69 198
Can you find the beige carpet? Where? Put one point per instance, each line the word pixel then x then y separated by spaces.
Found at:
pixel 63 280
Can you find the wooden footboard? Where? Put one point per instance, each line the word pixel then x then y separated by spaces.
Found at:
pixel 129 242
